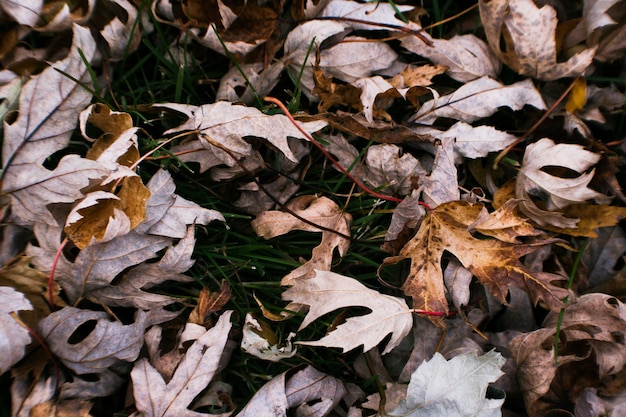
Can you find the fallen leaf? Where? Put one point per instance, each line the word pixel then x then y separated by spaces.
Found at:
pixel 210 303
pixel 590 354
pixel 456 387
pixel 320 211
pixel 523 36
pixel 479 99
pixel 284 392
pixel 13 337
pixel 328 291
pixel 88 342
pixel 156 397
pixel 48 109
pixel 466 57
pixel 259 340
pixel 441 185
pixel 553 191
pixel 494 263
pixel 471 141
pixel 224 125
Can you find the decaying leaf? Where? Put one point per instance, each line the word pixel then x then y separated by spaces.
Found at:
pixel 495 263
pixel 592 353
pixel 13 337
pixel 457 387
pixel 156 397
pixel 523 36
pixel 327 291
pixel 320 211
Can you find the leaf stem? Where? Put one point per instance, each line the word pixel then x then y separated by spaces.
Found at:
pixel 53 269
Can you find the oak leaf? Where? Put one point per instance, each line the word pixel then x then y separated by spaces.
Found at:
pixel 156 397
pixel 495 263
pixel 523 36
pixel 328 291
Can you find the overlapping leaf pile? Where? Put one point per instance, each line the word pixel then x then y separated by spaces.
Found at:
pixel 97 243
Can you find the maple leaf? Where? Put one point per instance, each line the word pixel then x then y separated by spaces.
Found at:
pixel 554 191
pixel 48 108
pixel 494 263
pixel 479 99
pixel 523 36
pixel 328 291
pixel 223 125
pixel 589 354
pixel 156 397
pixel 319 211
pixel 457 387
pixel 88 342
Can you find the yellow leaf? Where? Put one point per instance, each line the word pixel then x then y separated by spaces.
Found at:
pixel 578 96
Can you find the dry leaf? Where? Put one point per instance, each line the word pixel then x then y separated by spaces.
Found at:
pixel 523 36
pixel 48 109
pixel 591 353
pixel 88 342
pixel 466 57
pixel 224 125
pixel 479 99
pixel 494 263
pixel 284 392
pixel 259 340
pixel 457 387
pixel 13 337
pixel 327 291
pixel 553 191
pixel 158 398
pixel 320 211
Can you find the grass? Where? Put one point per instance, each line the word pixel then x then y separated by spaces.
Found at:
pixel 231 251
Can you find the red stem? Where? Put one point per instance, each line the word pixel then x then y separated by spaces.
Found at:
pixel 53 269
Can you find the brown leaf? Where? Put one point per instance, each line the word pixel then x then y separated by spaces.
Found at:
pixel 210 302
pixel 320 211
pixel 495 263
pixel 591 353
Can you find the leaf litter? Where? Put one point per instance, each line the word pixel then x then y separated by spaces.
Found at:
pixel 432 251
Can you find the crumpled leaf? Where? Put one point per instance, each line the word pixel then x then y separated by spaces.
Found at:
pixel 591 353
pixel 284 392
pixel 224 125
pixel 441 185
pixel 259 340
pixel 479 99
pixel 328 291
pixel 523 36
pixel 48 113
pixel 13 337
pixel 88 342
pixel 457 387
pixel 494 263
pixel 555 192
pixel 320 211
pixel 156 397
